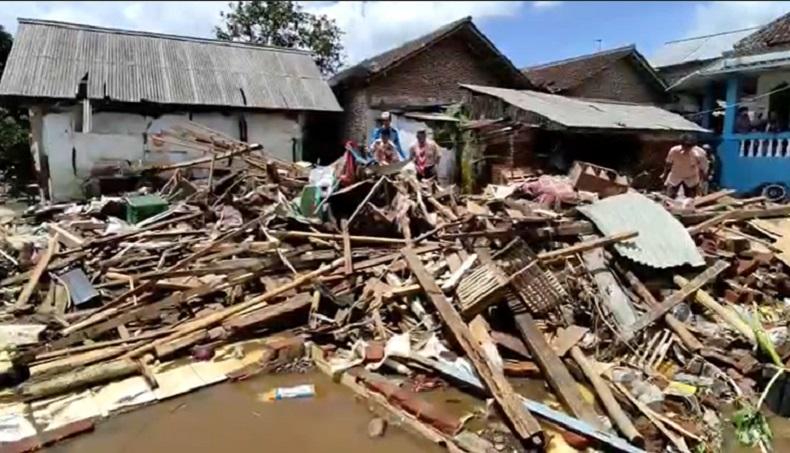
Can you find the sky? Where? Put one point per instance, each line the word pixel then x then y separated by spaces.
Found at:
pixel 529 32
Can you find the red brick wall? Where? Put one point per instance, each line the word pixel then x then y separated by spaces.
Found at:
pixel 431 77
pixel 620 82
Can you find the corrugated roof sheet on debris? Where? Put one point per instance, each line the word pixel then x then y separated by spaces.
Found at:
pixel 49 59
pixel 699 48
pixel 585 113
pixel 663 242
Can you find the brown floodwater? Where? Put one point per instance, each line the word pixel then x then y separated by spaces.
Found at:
pixel 230 417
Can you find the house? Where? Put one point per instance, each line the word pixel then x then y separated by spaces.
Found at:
pixel 420 75
pixel 750 85
pixel 678 58
pixel 527 132
pixel 620 74
pixel 97 95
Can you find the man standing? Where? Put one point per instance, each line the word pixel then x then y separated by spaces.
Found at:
pixel 386 120
pixel 383 149
pixel 686 165
pixel 426 155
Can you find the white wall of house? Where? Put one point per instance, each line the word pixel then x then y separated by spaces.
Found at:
pixel 72 153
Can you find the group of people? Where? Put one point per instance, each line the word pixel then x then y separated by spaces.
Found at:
pixel 385 148
pixel 745 124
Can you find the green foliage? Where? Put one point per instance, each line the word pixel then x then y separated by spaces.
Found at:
pixel 15 161
pixel 751 426
pixel 284 24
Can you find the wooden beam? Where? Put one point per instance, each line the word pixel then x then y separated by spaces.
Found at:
pixel 726 314
pixel 688 338
pixel 348 264
pixel 555 372
pixel 607 399
pixel 523 423
pixel 41 267
pixel 587 245
pixel 677 297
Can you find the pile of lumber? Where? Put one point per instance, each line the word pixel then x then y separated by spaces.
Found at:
pixel 387 272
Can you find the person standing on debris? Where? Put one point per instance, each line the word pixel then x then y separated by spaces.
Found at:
pixel 426 155
pixel 386 125
pixel 383 149
pixel 686 165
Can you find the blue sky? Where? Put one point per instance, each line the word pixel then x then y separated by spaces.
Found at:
pixel 528 32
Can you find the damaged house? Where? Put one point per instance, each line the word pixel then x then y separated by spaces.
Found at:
pixel 620 74
pixel 421 75
pixel 523 133
pixel 98 97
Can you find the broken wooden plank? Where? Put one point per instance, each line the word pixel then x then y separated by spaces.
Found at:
pixel 587 245
pixel 677 297
pixel 604 394
pixel 524 425
pixel 555 372
pixel 348 264
pixel 688 339
pixel 705 299
pixel 38 271
pixel 66 236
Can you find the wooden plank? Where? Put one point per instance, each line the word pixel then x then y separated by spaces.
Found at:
pixel 587 245
pixel 66 237
pixel 348 264
pixel 677 297
pixel 713 221
pixel 604 393
pixel 688 339
pixel 41 267
pixel 555 372
pixel 711 197
pixel 609 289
pixel 525 426
pixel 735 321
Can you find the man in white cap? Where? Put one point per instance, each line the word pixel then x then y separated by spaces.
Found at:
pixel 385 124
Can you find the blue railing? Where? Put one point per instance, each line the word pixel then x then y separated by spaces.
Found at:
pixel 752 159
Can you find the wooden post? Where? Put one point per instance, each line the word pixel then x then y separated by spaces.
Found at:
pixel 561 381
pixel 677 297
pixel 41 267
pixel 524 424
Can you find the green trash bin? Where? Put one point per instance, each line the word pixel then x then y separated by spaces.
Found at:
pixel 141 207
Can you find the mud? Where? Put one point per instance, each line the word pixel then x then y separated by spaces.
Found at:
pixel 231 417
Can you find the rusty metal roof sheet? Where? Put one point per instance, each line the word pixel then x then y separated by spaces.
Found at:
pixel 663 242
pixel 590 114
pixel 49 59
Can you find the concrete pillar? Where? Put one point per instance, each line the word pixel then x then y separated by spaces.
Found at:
pixel 731 111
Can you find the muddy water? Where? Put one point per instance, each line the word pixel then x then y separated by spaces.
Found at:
pixel 231 418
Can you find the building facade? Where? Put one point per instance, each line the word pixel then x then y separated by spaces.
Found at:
pixel 99 95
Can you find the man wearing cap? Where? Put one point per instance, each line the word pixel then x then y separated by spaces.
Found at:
pixel 426 155
pixel 386 125
pixel 686 165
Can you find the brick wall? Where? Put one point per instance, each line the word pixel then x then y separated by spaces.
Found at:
pixel 431 77
pixel 621 82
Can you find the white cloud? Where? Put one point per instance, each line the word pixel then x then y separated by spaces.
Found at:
pixel 373 27
pixel 715 17
pixel 545 4
pixel 370 27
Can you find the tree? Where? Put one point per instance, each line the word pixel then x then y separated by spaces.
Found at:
pixel 16 164
pixel 284 24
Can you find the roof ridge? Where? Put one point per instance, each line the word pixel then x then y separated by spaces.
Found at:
pixel 691 38
pixel 121 31
pixel 580 57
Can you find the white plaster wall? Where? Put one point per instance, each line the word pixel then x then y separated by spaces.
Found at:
pixel 275 132
pixel 131 137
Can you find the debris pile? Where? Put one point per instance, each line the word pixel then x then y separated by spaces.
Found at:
pixel 646 319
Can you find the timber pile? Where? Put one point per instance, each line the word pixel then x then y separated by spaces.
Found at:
pixel 394 276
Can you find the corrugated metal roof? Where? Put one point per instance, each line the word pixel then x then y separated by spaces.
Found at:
pixel 662 242
pixel 49 59
pixel 719 68
pixel 588 114
pixel 698 48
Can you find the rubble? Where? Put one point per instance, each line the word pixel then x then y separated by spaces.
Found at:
pixel 397 286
